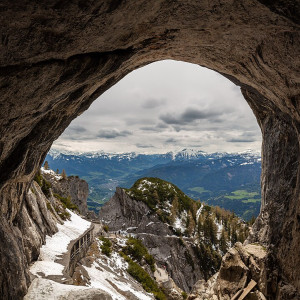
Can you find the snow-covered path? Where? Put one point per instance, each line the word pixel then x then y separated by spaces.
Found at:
pixel 57 245
pixel 108 277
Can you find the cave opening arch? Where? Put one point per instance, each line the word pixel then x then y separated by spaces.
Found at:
pixel 56 59
pixel 162 107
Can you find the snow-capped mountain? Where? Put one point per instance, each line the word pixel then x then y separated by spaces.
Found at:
pixel 185 154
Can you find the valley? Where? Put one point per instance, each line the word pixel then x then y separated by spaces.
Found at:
pixel 228 180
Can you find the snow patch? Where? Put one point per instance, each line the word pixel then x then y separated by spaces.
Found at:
pixel 57 245
pixel 199 212
pixel 52 173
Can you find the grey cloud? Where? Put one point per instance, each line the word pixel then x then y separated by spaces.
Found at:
pixel 195 145
pixel 171 141
pixel 77 128
pixel 153 103
pixel 177 128
pixel 138 120
pixel 76 132
pixel 149 128
pixel 240 140
pixel 153 128
pixel 112 133
pixel 245 137
pixel 185 104
pixel 188 116
pixel 143 146
pixel 162 125
pixel 249 134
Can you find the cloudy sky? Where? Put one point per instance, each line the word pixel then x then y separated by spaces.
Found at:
pixel 166 106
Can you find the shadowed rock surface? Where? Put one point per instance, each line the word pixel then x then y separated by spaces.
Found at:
pixel 57 57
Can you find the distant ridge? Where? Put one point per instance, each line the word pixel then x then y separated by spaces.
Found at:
pixel 181 154
pixel 230 180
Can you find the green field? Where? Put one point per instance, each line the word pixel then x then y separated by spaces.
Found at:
pixel 243 194
pixel 199 189
pixel 251 200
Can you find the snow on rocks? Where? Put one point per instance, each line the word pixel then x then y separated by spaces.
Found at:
pixel 112 283
pixel 57 245
pixel 180 222
pixel 220 228
pixel 45 289
pixel 199 212
pixel 52 173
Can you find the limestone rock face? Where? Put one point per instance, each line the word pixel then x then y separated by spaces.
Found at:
pixel 37 221
pixel 176 256
pixel 57 57
pixel 74 187
pixel 32 224
pixel 204 289
pixel 239 265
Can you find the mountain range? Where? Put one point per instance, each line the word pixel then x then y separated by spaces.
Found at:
pixel 229 180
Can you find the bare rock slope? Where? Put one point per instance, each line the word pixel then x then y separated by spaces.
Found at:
pixel 124 215
pixel 185 237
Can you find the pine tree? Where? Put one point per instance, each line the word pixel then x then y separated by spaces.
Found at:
pixel 46 165
pixel 210 230
pixel 194 209
pixel 223 242
pixel 234 237
pixel 57 171
pixel 63 174
pixel 156 197
pixel 174 208
pixel 191 223
pixel 206 228
pixel 213 231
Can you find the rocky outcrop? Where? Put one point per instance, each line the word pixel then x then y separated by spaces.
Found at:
pixel 243 269
pixel 57 58
pixel 167 284
pixel 174 254
pixel 121 213
pixel 55 290
pixel 74 187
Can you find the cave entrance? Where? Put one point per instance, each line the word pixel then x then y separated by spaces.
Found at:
pixel 62 57
pixel 165 107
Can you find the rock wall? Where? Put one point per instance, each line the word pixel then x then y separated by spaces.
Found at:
pixel 23 241
pixel 57 57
